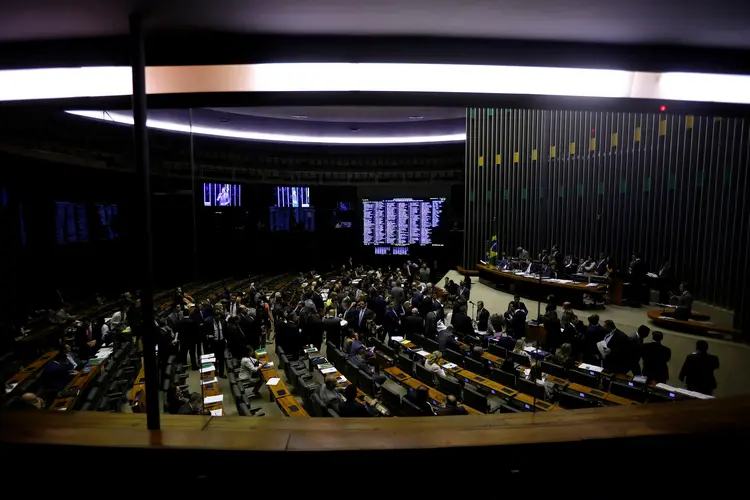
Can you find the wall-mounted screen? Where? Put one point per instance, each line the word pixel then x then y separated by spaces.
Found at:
pixel 292 197
pixel 402 221
pixel 344 206
pixel 222 195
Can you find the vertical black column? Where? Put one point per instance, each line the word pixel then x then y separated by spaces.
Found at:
pixel 195 199
pixel 143 168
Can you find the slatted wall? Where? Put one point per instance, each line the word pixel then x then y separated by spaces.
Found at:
pixel 670 186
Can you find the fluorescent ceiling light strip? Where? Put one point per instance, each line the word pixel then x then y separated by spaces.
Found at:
pixel 264 136
pixel 58 83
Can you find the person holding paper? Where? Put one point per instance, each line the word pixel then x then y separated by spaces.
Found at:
pixel 250 376
pixel 615 349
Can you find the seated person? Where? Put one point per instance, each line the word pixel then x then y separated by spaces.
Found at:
pixel 351 408
pixel 175 400
pixel 451 407
pixel 563 356
pixel 31 401
pixel 250 372
pixel 519 348
pixel 58 373
pixel 362 361
pixel 329 392
pixel 684 307
pixel 420 398
pixel 477 352
pixel 194 406
pixel 432 363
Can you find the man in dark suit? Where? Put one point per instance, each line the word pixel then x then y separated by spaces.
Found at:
pixel 655 358
pixel 250 328
pixel 377 305
pixel 602 264
pixel 351 408
pixel 391 320
pixel 188 338
pixel 236 342
pixel 594 333
pixel 332 328
pixel 288 336
pixel 311 325
pixel 174 317
pixel 446 340
pixel 217 339
pixel 359 317
pixel 636 343
pixel 698 370
pixel 430 325
pixel 684 305
pixel 412 323
pixel 451 407
pixel 617 350
pixel 483 317
pixel 462 322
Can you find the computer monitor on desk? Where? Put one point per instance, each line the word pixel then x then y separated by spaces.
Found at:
pixel 628 392
pixel 531 388
pixel 575 402
pixel 579 377
pixel 553 369
pixel 390 399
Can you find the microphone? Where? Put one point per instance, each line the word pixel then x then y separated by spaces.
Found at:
pixel 472 303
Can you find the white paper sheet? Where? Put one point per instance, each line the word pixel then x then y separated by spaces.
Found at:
pixel 326 371
pixel 591 368
pixel 217 413
pixel 273 381
pixel 397 339
pixel 639 379
pixel 268 365
pixel 211 368
pixel 423 353
pixel 206 382
pixel 213 399
pixel 449 366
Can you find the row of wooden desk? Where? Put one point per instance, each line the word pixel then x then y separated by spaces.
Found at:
pixel 406 380
pixel 500 390
pixel 31 370
pixel 279 392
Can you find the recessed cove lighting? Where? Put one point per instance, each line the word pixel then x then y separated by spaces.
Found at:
pixel 416 117
pixel 229 133
pixel 299 117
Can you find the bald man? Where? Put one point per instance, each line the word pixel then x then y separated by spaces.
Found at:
pixel 32 401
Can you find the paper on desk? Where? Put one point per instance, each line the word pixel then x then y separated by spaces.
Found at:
pixel 268 365
pixel 213 399
pixel 326 371
pixel 397 339
pixel 591 368
pixel 449 366
pixel 273 381
pixel 592 284
pixel 10 387
pixel 207 356
pixel 529 348
pixel 423 353
pixel 217 413
pixel 341 379
pixel 206 382
pixel 208 360
pixel 209 368
pixel 639 379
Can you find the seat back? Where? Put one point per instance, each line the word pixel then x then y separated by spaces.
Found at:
pixel 409 409
pixel 498 350
pixel 425 375
pixel 504 378
pixel 419 339
pixel 318 407
pixel 332 413
pixel 405 363
pixel 475 399
pixel 448 386
pixel 352 373
pixel 283 360
pixel 454 357
pixel 430 345
pixel 474 365
pixel 367 383
pixel 244 410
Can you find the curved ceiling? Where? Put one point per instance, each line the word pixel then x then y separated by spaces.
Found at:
pixel 720 23
pixel 350 114
pixel 276 124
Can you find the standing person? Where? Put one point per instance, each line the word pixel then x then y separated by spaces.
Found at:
pixel 397 292
pixel 593 335
pixel 217 340
pixel 636 343
pixel 332 328
pixel 483 317
pixel 655 358
pixel 391 320
pixel 424 273
pixel 698 370
pixel 614 348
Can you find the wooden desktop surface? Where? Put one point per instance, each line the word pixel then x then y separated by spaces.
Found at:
pixel 291 407
pixel 32 368
pixel 127 430
pixel 581 287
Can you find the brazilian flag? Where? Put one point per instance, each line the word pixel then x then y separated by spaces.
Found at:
pixel 493 250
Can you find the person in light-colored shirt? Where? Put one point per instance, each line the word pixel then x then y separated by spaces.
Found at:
pixel 250 372
pixel 432 363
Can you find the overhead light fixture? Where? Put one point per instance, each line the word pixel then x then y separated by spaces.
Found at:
pixel 59 83
pixel 416 117
pixel 229 133
pixel 299 117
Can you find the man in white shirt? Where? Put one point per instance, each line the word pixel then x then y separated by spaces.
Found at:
pixel 234 307
pixel 119 320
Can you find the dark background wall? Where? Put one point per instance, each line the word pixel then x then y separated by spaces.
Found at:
pixel 671 186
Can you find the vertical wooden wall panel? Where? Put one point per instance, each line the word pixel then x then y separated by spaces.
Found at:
pixel 670 186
